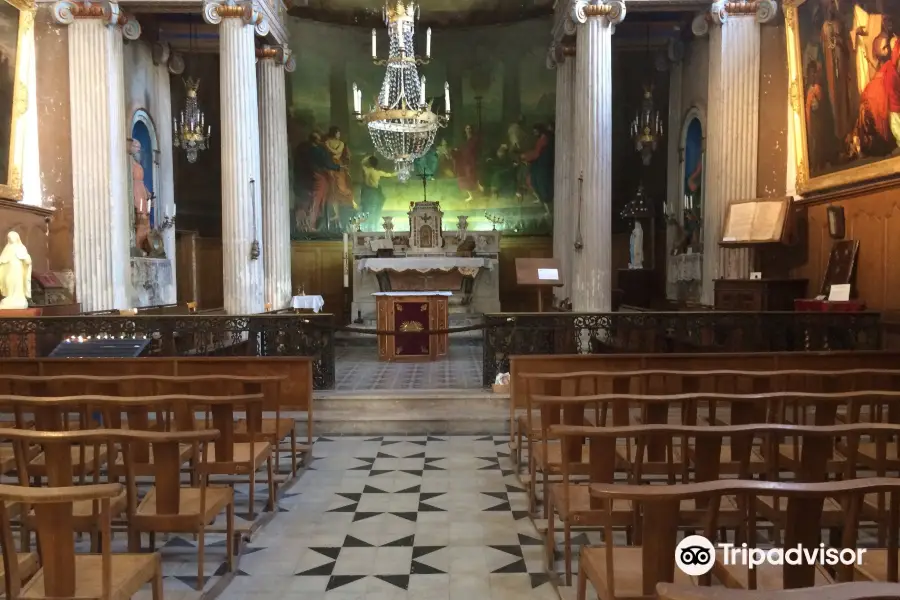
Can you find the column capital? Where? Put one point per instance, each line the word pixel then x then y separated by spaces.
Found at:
pixel 214 11
pixel 66 11
pixel 721 10
pixel 281 55
pixel 612 10
pixel 162 55
pixel 557 54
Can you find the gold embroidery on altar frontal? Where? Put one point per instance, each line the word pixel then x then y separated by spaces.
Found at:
pixel 411 327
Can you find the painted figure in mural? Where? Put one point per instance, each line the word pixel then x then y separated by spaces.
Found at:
pixel 341 186
pixel 880 100
pixel 15 273
pixel 836 63
pixel 502 173
pixel 466 164
pixel 818 119
pixel 540 166
pixel 445 160
pixel 322 165
pixel 371 196
pixel 140 197
pixel 516 136
pixel 427 165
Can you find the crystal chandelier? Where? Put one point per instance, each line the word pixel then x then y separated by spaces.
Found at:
pixel 401 123
pixel 189 132
pixel 647 127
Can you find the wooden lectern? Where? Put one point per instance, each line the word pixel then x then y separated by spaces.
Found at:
pixel 540 273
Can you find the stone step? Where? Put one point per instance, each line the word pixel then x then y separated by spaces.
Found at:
pixel 401 412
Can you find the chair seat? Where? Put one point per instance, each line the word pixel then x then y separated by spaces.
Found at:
pixel 730 465
pixel 7 460
pixel 277 428
pixel 627 456
pixel 217 498
pixel 874 565
pixel 185 452
pixel 786 453
pixel 28 566
pixel 578 508
pixel 628 573
pixel 37 466
pixel 768 577
pixel 83 511
pixel 242 454
pixel 129 573
pixel 522 420
pixel 833 514
pixel 552 462
pixel 868 453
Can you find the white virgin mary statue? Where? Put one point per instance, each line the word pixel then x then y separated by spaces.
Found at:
pixel 15 273
pixel 637 246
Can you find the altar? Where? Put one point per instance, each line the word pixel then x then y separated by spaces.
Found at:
pixel 409 316
pixel 427 259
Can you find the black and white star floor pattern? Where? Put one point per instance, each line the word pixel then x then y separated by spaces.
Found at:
pixel 381 518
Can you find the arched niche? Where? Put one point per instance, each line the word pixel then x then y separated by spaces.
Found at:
pixel 693 163
pixel 144 131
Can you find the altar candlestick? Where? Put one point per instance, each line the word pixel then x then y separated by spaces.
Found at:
pixel 428 43
pixel 346 263
pixel 374 43
pixel 446 97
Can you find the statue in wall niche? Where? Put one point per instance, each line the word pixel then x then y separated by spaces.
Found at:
pixel 636 253
pixel 142 200
pixel 15 273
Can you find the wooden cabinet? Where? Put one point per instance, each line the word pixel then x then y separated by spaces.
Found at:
pixel 758 294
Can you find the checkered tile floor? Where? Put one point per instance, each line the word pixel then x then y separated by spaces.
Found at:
pixel 400 517
pixel 357 368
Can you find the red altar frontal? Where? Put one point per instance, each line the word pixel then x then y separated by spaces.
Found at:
pixel 409 315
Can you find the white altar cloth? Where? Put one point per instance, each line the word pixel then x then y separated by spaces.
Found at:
pixel 423 264
pixel 308 302
pixel 412 293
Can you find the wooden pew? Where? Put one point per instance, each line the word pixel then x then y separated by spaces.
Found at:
pixel 839 591
pixel 275 429
pixel 296 388
pixel 620 573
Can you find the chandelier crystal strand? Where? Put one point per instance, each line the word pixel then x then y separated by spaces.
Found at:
pixel 189 134
pixel 402 125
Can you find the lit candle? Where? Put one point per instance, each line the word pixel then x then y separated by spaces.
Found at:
pixel 422 89
pixel 174 209
pixel 446 96
pixel 428 43
pixel 346 258
pixel 149 203
pixel 356 107
pixel 374 42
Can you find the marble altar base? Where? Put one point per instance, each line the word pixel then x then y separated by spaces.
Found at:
pixel 152 282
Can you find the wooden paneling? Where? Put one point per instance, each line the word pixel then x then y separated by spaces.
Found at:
pixel 873 218
pixel 317 266
pixel 209 288
pixel 186 266
pixel 29 223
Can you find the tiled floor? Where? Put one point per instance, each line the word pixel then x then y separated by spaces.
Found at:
pixel 358 368
pixel 430 518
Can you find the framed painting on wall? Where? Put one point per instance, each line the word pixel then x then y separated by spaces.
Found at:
pixel 16 27
pixel 843 58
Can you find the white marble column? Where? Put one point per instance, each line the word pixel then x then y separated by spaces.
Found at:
pixel 166 63
pixel 591 265
pixel 564 176
pixel 242 258
pixel 733 139
pixel 99 160
pixel 276 201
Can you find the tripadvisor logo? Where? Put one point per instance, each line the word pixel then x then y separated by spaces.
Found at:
pixel 695 555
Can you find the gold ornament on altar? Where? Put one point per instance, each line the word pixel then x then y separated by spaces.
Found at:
pixel 411 327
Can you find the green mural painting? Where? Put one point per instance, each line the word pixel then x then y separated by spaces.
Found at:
pixel 495 158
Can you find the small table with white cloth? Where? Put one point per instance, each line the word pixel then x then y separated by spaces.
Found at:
pixel 313 303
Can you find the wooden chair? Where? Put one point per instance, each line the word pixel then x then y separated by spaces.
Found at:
pixel 62 573
pixel 838 591
pixel 633 572
pixel 170 507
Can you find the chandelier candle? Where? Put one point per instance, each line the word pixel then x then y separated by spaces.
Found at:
pixel 374 44
pixel 401 124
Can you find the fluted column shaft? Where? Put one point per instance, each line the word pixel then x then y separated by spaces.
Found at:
pixel 564 174
pixel 242 259
pixel 733 134
pixel 99 160
pixel 166 193
pixel 592 269
pixel 273 62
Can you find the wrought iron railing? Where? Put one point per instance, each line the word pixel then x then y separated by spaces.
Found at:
pixel 510 334
pixel 186 335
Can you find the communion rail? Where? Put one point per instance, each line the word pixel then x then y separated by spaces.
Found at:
pixel 511 334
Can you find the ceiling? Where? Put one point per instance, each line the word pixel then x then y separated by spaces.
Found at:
pixel 433 12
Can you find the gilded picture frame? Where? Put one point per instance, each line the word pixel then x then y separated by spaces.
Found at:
pixel 11 189
pixel 845 178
